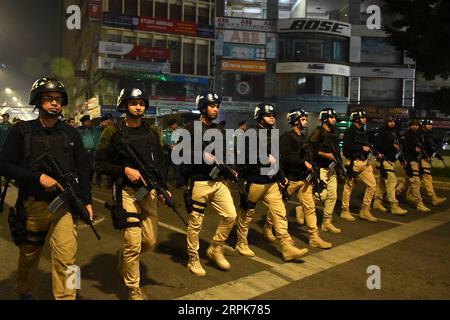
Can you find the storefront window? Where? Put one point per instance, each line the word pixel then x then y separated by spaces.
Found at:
pixel 161 10
pixel 115 6
pixel 189 13
pixel 376 50
pixel 202 59
pixel 381 91
pixel 127 39
pixel 175 11
pixel 131 7
pixel 188 58
pixel 147 8
pixel 315 84
pixel 203 15
pixel 245 86
pixel 313 47
pixel 175 55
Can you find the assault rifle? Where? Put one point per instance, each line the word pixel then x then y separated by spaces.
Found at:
pixel 221 169
pixel 70 196
pixel 435 149
pixel 314 175
pixel 150 177
pixel 337 162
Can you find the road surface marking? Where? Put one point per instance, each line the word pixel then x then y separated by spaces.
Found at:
pixel 263 282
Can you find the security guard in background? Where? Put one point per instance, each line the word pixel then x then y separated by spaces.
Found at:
pixel 429 146
pixel 321 139
pixel 357 149
pixel 265 187
pixel 138 220
pixel 20 159
pixel 386 142
pixel 412 149
pixel 206 187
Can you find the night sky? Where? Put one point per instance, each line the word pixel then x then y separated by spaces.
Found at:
pixel 28 43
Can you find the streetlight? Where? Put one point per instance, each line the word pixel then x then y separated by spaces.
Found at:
pixel 15 99
pixel 8 91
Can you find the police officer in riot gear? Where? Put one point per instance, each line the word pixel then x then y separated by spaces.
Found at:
pixel 23 159
pixel 430 150
pixel 413 150
pixel 207 187
pixel 136 218
pixel 357 149
pixel 325 144
pixel 297 162
pixel 265 186
pixel 387 144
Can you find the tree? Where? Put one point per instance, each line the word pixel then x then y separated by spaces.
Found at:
pixel 422 28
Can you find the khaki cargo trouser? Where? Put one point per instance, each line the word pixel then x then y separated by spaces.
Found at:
pixel 271 196
pixel 329 194
pixel 219 195
pixel 427 179
pixel 412 184
pixel 365 174
pixel 63 244
pixel 385 185
pixel 138 239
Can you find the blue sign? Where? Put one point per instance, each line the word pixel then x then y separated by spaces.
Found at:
pixel 120 21
pixel 205 30
pixel 196 80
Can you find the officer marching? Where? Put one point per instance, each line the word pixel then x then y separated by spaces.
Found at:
pixel 266 188
pixel 204 188
pixel 387 144
pixel 357 149
pixel 23 158
pixel 429 151
pixel 136 217
pixel 413 149
pixel 325 144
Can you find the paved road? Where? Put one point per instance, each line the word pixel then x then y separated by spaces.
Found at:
pixel 412 254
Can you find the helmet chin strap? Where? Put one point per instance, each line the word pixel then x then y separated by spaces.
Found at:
pixel 48 113
pixel 129 114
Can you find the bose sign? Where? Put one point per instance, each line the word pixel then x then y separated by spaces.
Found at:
pixel 314 25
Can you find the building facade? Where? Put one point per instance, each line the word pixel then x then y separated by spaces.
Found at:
pixel 164 46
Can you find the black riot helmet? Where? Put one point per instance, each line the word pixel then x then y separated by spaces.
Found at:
pixel 294 115
pixel 425 121
pixel 130 93
pixel 327 113
pixel 262 109
pixel 47 84
pixel 357 115
pixel 204 99
pixel 389 118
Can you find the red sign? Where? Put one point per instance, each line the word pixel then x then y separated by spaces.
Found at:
pixel 167 26
pixel 95 10
pixel 150 53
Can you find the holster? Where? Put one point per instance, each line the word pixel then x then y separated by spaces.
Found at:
pixel 244 204
pixel 408 170
pixel 118 214
pixel 350 173
pixel 17 220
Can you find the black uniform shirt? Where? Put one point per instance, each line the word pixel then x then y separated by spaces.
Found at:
pixel 12 162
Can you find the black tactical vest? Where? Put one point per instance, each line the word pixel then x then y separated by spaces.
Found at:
pixel 147 146
pixel 55 140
